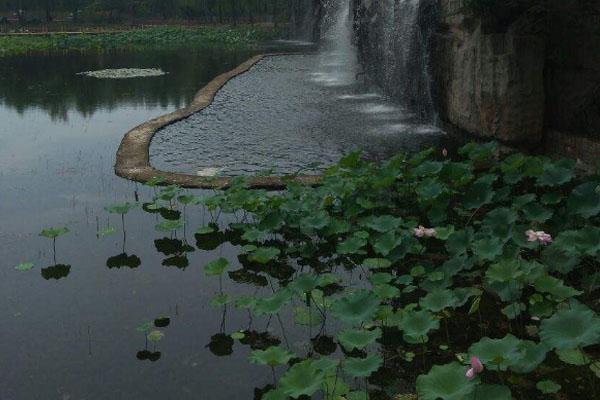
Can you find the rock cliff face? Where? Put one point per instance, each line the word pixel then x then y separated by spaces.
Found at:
pixel 514 75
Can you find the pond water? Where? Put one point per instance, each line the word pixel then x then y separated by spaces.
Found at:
pixel 70 323
pixel 76 338
pixel 288 112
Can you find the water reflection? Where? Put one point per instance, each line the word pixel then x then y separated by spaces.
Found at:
pixel 50 82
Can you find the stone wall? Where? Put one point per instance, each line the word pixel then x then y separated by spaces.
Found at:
pixel 515 75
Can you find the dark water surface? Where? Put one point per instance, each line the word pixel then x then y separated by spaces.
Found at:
pixel 76 338
pixel 288 112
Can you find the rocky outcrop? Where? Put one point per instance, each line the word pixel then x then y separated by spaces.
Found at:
pixel 490 84
pixel 515 73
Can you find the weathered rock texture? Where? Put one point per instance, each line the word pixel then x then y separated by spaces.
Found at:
pixel 515 73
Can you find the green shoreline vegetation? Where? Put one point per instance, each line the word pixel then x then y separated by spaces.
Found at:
pixel 148 38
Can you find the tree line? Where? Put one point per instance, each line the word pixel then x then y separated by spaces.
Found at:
pixel 214 11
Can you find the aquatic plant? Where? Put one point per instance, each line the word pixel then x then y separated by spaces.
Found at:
pixel 53 234
pixel 150 38
pixel 477 258
pixel 124 73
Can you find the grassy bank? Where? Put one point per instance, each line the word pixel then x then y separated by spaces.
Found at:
pixel 160 38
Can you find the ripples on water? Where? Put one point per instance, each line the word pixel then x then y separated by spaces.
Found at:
pixel 286 113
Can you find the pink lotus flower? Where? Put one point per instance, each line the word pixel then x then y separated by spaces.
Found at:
pixel 421 231
pixel 538 236
pixel 476 368
pixel 445 152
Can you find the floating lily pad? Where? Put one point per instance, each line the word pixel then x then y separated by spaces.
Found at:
pixel 216 267
pixel 24 267
pixel 124 73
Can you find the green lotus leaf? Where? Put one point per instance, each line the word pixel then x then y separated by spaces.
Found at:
pixel 536 213
pixel 551 199
pixel 417 324
pixel 585 241
pixel 493 392
pixel 216 267
pixel 381 278
pixel 573 357
pixel 446 382
pixel 272 356
pixel 555 175
pixel 169 225
pixel 377 263
pixel 429 189
pixel 144 328
pixel 513 310
pixel 382 223
pixel 520 201
pixel 263 255
pixel 155 336
pixel 438 300
pixel 488 248
pixel 255 235
pixel 304 283
pixel 499 222
pixel 571 328
pixel 558 261
pixel 498 353
pixel 334 387
pixel 479 195
pixel 316 221
pixel 464 294
pixel 533 355
pixel 205 230
pixel 53 233
pixel 352 245
pixel 358 339
pixel 458 243
pixel 585 200
pixel 239 335
pixel 327 279
pixel 357 307
pixel 548 387
pixel 505 271
pixel 220 300
pixel 245 302
pixel 386 242
pixel 554 286
pixel 385 291
pixel 304 378
pixel 428 168
pixel 121 209
pixel 304 317
pixel 362 367
pixel 273 304
pixel 275 394
pixel 24 267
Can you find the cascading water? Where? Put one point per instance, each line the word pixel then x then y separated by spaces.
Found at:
pixel 394 38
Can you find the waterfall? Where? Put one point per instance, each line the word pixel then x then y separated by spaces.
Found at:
pixel 394 38
pixel 338 55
